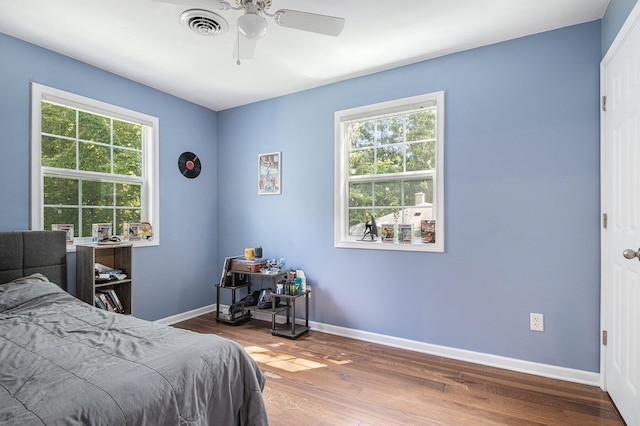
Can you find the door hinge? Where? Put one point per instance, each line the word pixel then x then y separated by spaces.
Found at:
pixel 604 337
pixel 604 220
pixel 604 103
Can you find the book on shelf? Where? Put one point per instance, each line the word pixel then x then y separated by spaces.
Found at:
pixel 387 230
pixel 98 302
pixel 405 233
pixel 105 302
pixel 116 299
pixel 104 269
pixel 244 260
pixel 106 273
pixel 113 299
pixel 225 279
pixel 428 231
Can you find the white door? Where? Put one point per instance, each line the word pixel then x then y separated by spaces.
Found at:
pixel 620 75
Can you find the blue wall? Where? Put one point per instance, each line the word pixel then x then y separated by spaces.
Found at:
pixel 522 201
pixel 522 194
pixel 169 279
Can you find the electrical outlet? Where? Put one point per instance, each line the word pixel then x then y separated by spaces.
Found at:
pixel 536 322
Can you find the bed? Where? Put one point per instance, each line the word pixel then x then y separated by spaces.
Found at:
pixel 63 361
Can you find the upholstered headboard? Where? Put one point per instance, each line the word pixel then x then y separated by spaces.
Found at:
pixel 24 253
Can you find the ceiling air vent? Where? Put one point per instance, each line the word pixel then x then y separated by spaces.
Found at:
pixel 204 22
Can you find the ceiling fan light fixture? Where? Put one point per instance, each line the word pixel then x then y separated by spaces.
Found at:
pixel 252 26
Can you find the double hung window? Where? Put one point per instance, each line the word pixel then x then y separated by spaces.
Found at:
pixel 389 175
pixel 92 163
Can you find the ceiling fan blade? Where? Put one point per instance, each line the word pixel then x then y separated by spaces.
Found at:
pixel 322 24
pixel 243 48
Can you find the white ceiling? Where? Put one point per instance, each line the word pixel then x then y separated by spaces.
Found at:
pixel 145 41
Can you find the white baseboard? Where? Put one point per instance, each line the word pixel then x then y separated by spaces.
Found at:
pixel 545 370
pixel 187 315
pixel 538 369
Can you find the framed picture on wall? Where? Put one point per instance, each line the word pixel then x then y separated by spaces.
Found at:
pixel 269 173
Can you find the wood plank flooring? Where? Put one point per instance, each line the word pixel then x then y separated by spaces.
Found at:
pixel 321 379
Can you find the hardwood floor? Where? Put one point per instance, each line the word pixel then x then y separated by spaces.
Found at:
pixel 321 379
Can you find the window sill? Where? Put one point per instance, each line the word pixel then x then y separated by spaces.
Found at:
pixel 379 245
pixel 71 248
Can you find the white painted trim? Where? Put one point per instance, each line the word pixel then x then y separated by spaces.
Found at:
pixel 151 183
pixel 341 164
pixel 603 236
pixel 187 315
pixel 544 370
pixel 624 32
pixel 630 23
pixel 512 364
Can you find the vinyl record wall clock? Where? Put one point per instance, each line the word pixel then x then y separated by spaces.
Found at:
pixel 189 165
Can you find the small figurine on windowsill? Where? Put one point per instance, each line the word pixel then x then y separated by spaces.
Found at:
pixel 146 231
pixel 370 228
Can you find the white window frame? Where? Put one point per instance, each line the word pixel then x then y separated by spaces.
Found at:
pixel 341 194
pixel 150 186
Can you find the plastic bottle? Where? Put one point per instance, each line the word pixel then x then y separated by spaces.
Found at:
pixel 304 281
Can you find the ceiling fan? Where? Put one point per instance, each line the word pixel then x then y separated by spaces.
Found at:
pixel 252 25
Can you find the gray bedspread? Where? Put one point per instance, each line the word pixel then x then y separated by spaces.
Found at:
pixel 65 362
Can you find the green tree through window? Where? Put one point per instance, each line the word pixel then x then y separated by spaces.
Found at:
pixel 96 166
pixel 388 165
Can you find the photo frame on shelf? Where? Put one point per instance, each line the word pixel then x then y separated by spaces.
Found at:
pixel 269 173
pixel 132 231
pixel 225 279
pixel 100 231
